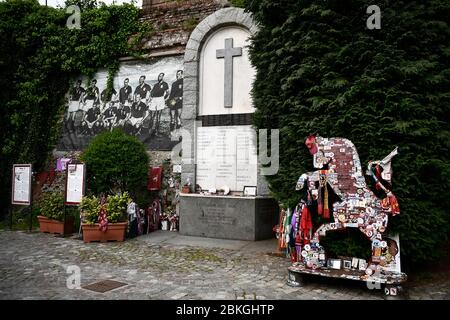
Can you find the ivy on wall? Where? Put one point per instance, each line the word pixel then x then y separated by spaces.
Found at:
pixel 39 57
pixel 320 70
pixel 238 3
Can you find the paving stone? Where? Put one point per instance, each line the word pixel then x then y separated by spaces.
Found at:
pixel 34 266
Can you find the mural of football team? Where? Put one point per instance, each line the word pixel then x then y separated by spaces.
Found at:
pixel 146 102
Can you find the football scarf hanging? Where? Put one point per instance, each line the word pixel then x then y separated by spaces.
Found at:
pixel 323 204
pixel 283 231
pixel 382 177
pixel 287 229
pixel 278 229
pixel 306 225
pixel 300 231
pixel 153 215
pixel 297 232
pixel 293 235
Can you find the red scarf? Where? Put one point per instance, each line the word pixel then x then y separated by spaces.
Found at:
pixel 306 224
pixel 390 200
pixel 322 201
pixel 378 175
pixel 394 204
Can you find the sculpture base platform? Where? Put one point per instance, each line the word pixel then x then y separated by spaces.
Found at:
pixel 228 217
pixel 390 281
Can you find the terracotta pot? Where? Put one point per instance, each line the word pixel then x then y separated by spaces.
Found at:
pixel 47 225
pixel 115 232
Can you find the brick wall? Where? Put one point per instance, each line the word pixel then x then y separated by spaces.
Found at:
pixel 174 20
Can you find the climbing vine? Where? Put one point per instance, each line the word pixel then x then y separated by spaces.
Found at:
pixel 39 57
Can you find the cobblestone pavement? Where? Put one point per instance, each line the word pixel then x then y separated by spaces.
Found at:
pixel 34 266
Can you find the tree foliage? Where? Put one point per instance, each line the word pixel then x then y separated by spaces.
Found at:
pixel 321 70
pixel 39 56
pixel 115 163
pixel 238 3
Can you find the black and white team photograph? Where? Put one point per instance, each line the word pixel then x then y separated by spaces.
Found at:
pixel 145 101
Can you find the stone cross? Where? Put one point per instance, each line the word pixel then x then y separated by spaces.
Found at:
pixel 228 53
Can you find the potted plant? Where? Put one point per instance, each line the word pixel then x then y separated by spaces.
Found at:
pixel 186 187
pixel 104 219
pixel 51 214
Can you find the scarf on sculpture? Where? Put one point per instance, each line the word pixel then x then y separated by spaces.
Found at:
pixel 391 202
pixel 305 224
pixel 322 200
pixel 298 238
pixel 294 235
pixel 391 199
pixel 280 230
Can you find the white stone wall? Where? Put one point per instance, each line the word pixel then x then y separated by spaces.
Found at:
pixel 211 78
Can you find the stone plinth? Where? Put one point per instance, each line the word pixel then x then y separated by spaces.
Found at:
pixel 228 217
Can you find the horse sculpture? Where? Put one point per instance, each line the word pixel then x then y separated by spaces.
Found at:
pixel 340 189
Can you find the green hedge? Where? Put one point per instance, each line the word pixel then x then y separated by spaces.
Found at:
pixel 320 70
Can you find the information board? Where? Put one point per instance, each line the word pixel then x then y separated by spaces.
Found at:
pixel 75 182
pixel 21 184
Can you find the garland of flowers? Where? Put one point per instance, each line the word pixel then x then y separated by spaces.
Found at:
pixel 102 217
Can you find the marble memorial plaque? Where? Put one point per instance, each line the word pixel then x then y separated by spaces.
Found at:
pixel 247 158
pixel 206 166
pixel 225 144
pixel 226 156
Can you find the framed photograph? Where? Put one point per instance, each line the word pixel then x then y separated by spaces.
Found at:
pixel 355 263
pixel 362 265
pixel 176 168
pixel 334 264
pixel 393 291
pixel 21 184
pixel 250 191
pixel 390 252
pixel 347 264
pixel 75 182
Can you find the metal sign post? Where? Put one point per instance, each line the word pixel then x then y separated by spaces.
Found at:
pixel 31 217
pixel 10 217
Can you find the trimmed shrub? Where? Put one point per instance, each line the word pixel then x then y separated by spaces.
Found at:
pixel 115 163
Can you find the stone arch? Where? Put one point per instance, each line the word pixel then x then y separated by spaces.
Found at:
pixel 219 19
